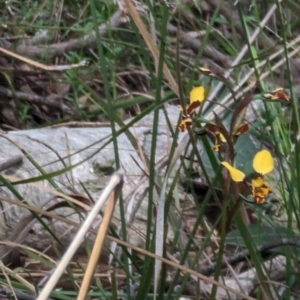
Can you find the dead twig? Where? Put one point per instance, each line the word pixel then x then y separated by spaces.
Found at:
pixel 116 182
pixel 87 41
pixel 195 45
pixel 42 66
pixel 98 244
pixel 35 99
pixel 264 250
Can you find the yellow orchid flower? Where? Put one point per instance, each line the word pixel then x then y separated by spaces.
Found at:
pixel 263 163
pixel 278 95
pixel 220 138
pixel 197 95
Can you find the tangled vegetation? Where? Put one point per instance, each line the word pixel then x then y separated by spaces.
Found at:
pixel 222 218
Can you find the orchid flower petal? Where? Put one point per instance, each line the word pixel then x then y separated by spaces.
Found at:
pixel 263 162
pixel 236 175
pixel 197 94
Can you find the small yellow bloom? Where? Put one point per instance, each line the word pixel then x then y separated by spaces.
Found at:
pixel 197 95
pixel 219 136
pixel 263 162
pixel 207 72
pixel 235 174
pixel 278 95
